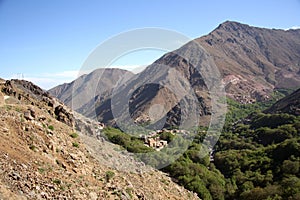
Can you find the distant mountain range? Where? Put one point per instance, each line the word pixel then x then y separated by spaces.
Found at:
pixel 82 90
pixel 252 61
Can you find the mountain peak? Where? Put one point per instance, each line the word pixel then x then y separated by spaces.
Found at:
pixel 232 26
pixel 247 51
pixel 230 23
pixel 252 62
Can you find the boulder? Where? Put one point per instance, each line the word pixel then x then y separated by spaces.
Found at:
pixel 64 116
pixel 27 115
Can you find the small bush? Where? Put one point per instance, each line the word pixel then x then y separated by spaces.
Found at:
pixel 164 181
pixel 74 135
pixel 51 128
pixel 129 191
pixel 75 144
pixel 41 170
pixel 32 147
pixel 57 181
pixel 109 175
pixel 8 108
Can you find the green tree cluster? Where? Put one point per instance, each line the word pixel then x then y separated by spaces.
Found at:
pixel 257 158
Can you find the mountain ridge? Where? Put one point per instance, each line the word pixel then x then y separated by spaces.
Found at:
pixel 271 56
pixel 289 104
pixel 253 62
pixel 81 90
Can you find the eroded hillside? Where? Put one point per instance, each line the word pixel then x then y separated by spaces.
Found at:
pixel 42 156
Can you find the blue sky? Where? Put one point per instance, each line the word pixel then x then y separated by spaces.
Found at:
pixel 48 41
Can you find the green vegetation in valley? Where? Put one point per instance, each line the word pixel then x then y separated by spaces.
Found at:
pixel 260 159
pixel 237 111
pixel 131 143
pixel 257 158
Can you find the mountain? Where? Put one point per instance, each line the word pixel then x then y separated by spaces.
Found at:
pixel 79 92
pixel 163 93
pixel 48 151
pixel 252 62
pixel 289 104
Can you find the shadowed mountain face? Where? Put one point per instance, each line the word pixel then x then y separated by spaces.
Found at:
pixel 251 62
pixel 173 91
pixel 289 104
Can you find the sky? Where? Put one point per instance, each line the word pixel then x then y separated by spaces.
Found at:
pixel 47 42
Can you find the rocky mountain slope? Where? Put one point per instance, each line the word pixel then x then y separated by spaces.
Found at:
pixel 80 91
pixel 254 61
pixel 43 156
pixel 251 63
pixel 163 93
pixel 289 104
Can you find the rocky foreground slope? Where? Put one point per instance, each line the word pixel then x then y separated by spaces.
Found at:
pixel 43 156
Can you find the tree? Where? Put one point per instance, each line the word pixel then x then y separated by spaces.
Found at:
pixel 290 167
pixel 167 136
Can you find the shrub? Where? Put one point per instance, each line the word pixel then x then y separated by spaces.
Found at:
pixel 57 181
pixel 167 136
pixel 32 147
pixel 129 191
pixel 74 135
pixel 51 127
pixel 132 144
pixel 41 170
pixel 109 175
pixel 75 144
